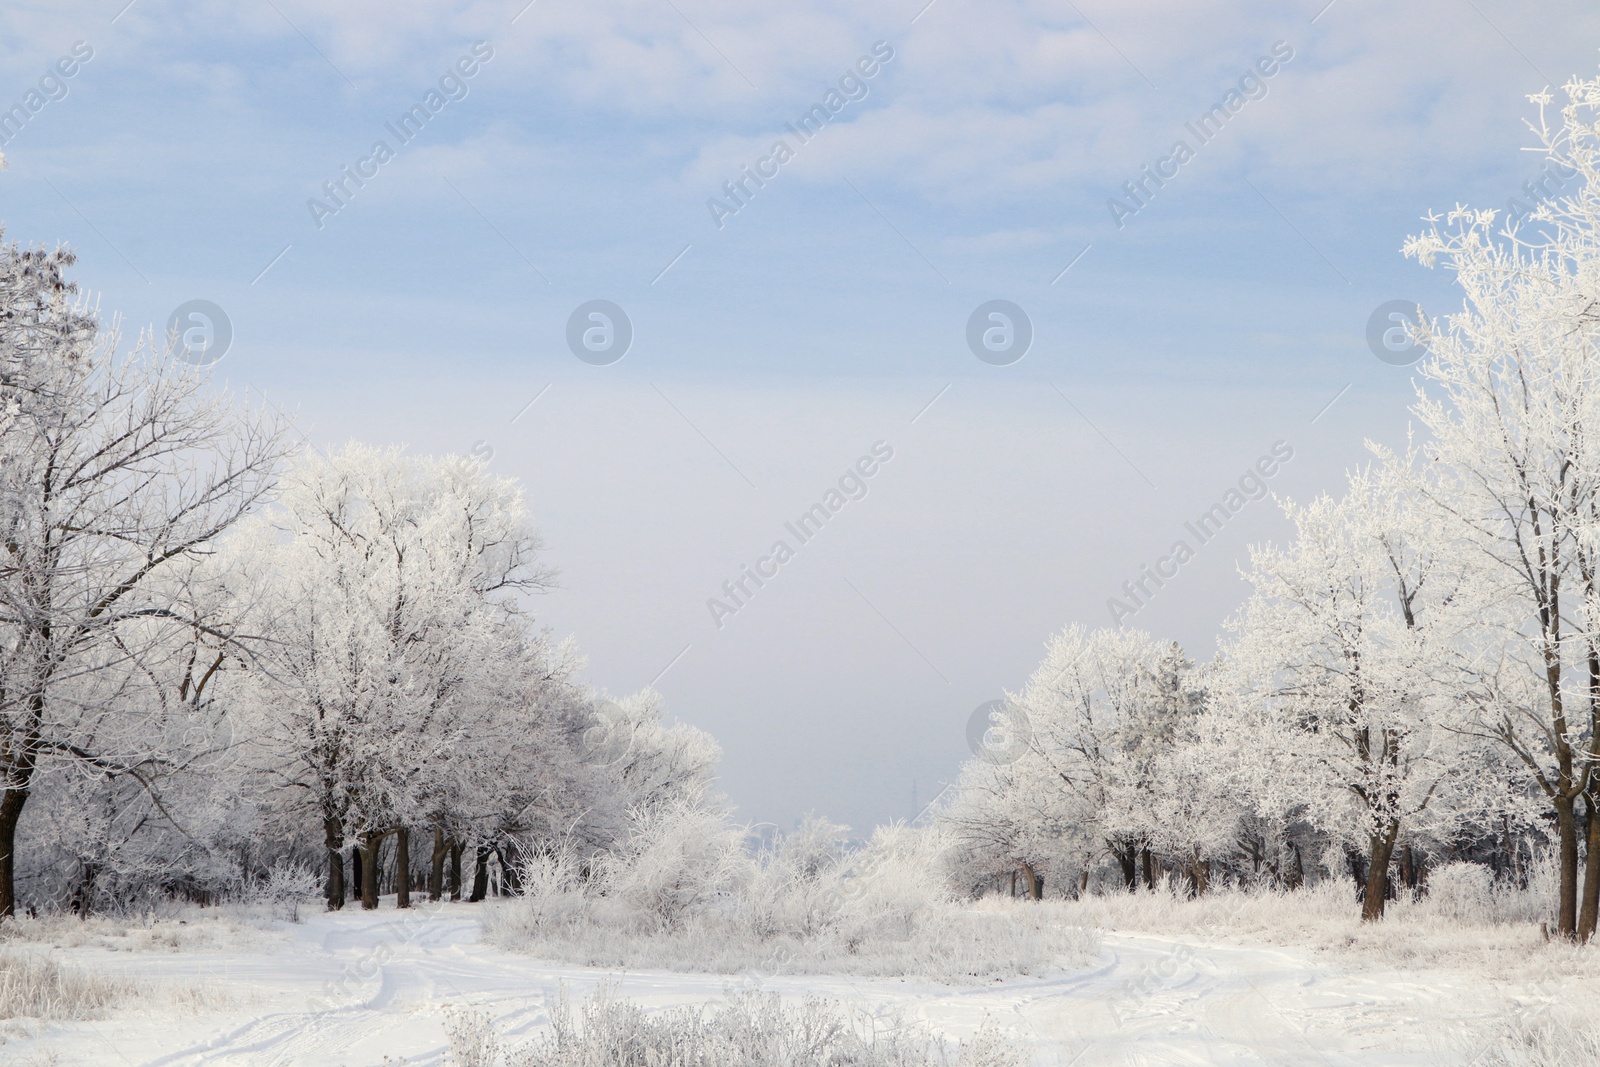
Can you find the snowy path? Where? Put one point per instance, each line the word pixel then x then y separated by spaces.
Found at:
pixel 352 988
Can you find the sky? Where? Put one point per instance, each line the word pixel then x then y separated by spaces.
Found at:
pixel 398 217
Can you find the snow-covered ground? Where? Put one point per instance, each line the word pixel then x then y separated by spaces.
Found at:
pixel 359 989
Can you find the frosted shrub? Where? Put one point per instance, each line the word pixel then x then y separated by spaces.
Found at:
pixel 1469 893
pixel 1537 903
pixel 796 888
pixel 748 1030
pixel 1462 891
pixel 472 1038
pixel 282 890
pixel 678 861
pixel 553 891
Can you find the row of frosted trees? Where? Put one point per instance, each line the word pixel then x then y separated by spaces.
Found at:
pixel 221 655
pixel 1416 671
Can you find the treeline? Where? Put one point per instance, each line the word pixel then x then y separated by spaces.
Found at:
pixel 224 658
pixel 1416 673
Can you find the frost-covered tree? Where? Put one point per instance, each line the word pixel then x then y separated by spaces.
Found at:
pixel 118 472
pixel 1104 714
pixel 651 763
pixel 1194 813
pixel 1511 403
pixel 1000 821
pixel 386 589
pixel 1342 684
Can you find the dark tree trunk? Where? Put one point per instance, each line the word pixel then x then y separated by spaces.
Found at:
pixel 480 876
pixel 355 872
pixel 333 840
pixel 455 869
pixel 1128 860
pixel 1149 875
pixel 1590 899
pixel 1032 883
pixel 1357 871
pixel 1591 866
pixel 511 866
pixel 1514 858
pixel 402 868
pixel 83 893
pixel 11 803
pixel 371 842
pixel 1567 830
pixel 1199 872
pixel 1255 849
pixel 1376 891
pixel 436 864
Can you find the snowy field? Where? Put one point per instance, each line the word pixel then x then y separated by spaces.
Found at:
pixel 269 686
pixel 359 989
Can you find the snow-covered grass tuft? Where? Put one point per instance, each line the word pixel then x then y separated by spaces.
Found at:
pixel 1522 1038
pixel 35 987
pixel 749 1029
pixel 686 897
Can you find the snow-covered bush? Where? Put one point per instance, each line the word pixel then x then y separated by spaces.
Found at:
pixel 1469 893
pixel 472 1038
pixel 1537 903
pixel 676 862
pixel 748 1029
pixel 796 886
pixel 281 891
pixel 1462 891
pixel 897 884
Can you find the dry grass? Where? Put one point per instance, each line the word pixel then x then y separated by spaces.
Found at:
pixel 35 987
pixel 181 929
pixel 749 1030
pixel 1527 1039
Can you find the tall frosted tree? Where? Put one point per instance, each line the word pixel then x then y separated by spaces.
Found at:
pixel 118 472
pixel 1104 713
pixel 1344 674
pixel 386 590
pixel 1511 401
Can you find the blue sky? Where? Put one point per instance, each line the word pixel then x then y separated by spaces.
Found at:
pixel 576 163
